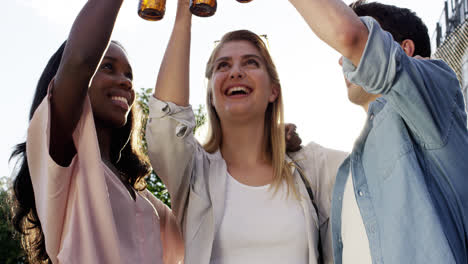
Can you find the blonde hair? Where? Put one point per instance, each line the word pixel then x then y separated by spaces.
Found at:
pixel 274 139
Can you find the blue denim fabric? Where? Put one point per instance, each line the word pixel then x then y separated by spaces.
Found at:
pixel 410 163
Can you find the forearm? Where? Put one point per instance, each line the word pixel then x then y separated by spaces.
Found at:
pixel 88 39
pixel 336 24
pixel 85 46
pixel 173 80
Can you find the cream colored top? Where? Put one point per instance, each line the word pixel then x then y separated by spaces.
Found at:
pixel 260 226
pixel 355 243
pixel 196 181
pixel 87 214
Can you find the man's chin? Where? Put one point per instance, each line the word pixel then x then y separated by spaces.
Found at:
pixel 355 98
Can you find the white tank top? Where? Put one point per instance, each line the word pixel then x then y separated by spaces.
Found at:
pixel 260 226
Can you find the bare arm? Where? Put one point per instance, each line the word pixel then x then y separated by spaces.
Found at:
pixel 336 24
pixel 85 46
pixel 173 79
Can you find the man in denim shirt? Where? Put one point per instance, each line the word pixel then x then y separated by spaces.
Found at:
pixel 402 194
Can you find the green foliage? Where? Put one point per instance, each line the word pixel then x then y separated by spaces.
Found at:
pixel 200 117
pixel 10 245
pixel 154 183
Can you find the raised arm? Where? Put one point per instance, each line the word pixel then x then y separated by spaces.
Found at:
pixel 85 46
pixel 171 145
pixel 336 24
pixel 173 79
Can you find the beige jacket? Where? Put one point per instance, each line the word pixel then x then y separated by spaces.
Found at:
pixel 196 181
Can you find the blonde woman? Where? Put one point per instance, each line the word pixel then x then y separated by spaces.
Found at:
pixel 238 198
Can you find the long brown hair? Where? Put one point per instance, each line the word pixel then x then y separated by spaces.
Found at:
pixel 274 140
pixel 126 155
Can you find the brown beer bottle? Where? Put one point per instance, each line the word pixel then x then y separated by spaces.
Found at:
pixel 203 8
pixel 152 10
pixel 243 1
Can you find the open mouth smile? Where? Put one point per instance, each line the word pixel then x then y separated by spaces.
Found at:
pixel 238 91
pixel 120 101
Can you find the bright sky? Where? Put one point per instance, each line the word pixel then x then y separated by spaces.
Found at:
pixel 314 92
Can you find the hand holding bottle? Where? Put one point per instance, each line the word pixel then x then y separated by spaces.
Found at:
pixel 154 10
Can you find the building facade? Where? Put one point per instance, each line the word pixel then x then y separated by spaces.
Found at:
pixel 450 40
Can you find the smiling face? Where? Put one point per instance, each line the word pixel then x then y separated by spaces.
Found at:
pixel 111 92
pixel 240 83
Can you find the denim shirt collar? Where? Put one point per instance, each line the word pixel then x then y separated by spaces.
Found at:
pixel 376 106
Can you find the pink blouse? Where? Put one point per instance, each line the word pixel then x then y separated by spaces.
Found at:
pixel 87 214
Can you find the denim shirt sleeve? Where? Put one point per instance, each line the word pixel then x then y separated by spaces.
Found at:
pixel 425 93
